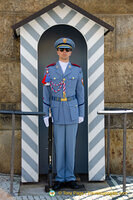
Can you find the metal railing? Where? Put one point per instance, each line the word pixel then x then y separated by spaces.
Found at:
pixel 13 113
pixel 104 112
pixel 116 112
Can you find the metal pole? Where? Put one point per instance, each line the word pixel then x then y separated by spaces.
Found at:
pixel 50 152
pixel 12 154
pixel 124 154
pixel 108 149
pixel 50 175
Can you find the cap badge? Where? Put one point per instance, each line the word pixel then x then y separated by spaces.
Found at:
pixel 64 40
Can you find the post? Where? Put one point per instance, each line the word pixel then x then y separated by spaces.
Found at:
pixel 12 154
pixel 108 149
pixel 124 153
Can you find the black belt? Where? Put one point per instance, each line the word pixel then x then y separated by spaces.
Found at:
pixel 63 99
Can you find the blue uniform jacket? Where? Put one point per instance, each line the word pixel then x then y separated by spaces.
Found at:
pixel 64 112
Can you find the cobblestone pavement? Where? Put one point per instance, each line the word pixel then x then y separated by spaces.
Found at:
pixel 112 190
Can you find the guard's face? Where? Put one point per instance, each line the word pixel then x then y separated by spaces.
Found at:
pixel 64 54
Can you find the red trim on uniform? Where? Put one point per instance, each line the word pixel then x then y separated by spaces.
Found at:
pixel 51 64
pixel 75 65
pixel 43 81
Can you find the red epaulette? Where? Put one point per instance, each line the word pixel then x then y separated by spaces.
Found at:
pixel 75 65
pixel 51 64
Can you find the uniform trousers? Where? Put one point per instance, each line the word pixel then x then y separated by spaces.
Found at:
pixel 65 143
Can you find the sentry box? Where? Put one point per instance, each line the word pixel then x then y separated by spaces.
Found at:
pixel 37 34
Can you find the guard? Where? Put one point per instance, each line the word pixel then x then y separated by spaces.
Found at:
pixel 63 92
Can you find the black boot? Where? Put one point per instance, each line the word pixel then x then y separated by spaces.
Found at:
pixel 58 185
pixel 74 185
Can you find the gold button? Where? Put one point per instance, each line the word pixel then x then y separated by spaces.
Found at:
pixel 56 66
pixel 54 78
pixel 69 66
pixel 64 79
pixel 73 78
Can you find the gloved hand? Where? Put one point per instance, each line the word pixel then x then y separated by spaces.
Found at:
pixel 81 119
pixel 46 121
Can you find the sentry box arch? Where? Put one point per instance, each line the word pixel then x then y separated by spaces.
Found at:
pixel 30 31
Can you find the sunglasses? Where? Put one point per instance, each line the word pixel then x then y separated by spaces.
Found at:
pixel 67 50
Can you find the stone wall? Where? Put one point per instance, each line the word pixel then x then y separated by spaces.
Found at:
pixel 118 72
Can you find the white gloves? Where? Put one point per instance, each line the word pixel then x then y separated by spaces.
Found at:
pixel 81 119
pixel 46 120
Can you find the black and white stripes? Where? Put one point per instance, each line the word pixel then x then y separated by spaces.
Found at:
pixel 30 34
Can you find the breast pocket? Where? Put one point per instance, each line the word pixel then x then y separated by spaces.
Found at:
pixel 72 82
pixel 72 78
pixel 73 105
pixel 55 79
